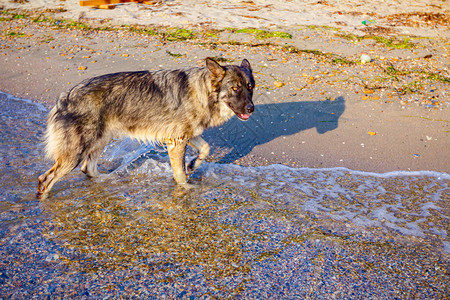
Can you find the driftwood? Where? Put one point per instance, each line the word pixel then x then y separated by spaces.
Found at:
pixel 110 4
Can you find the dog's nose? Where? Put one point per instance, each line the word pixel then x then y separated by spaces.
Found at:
pixel 250 108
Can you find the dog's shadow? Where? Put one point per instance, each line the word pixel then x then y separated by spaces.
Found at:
pixel 270 121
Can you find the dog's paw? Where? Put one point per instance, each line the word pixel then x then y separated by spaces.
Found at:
pixel 187 186
pixel 41 195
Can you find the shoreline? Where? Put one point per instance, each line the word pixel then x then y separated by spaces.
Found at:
pixel 336 110
pixel 388 174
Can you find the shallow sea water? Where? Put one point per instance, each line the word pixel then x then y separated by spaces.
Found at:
pixel 242 232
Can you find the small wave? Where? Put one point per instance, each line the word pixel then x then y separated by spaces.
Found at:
pixel 39 106
pixel 403 203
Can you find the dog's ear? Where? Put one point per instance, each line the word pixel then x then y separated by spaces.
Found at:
pixel 216 70
pixel 246 64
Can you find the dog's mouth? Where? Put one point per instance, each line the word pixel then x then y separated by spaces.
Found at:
pixel 243 117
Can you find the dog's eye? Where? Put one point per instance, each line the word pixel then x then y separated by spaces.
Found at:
pixel 235 88
pixel 250 87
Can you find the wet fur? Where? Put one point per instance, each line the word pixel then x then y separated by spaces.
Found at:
pixel 168 106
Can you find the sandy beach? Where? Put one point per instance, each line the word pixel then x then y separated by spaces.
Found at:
pixel 320 105
pixel 292 204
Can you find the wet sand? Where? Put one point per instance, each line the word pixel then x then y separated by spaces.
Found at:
pixel 319 105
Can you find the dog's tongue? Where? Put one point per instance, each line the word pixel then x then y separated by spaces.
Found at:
pixel 244 116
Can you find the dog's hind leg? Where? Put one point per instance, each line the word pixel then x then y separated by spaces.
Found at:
pixel 203 149
pixel 62 166
pixel 177 152
pixel 89 166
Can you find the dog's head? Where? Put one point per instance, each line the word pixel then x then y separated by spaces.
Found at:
pixel 235 86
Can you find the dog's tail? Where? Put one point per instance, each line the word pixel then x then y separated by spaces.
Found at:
pixel 55 135
pixel 54 138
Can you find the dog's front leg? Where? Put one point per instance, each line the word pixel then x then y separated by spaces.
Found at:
pixel 177 151
pixel 203 149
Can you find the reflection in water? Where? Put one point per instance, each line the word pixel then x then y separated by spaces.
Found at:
pixel 153 235
pixel 252 232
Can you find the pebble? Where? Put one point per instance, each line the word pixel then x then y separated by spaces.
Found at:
pixel 278 84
